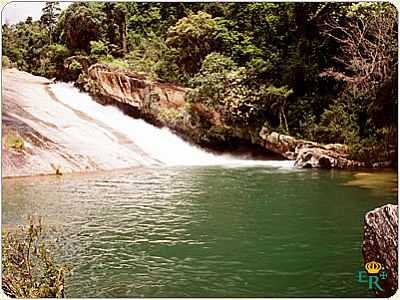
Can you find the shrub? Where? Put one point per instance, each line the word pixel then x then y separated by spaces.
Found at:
pixel 368 150
pixel 6 63
pixel 28 267
pixel 337 125
pixel 114 62
pixel 171 116
pixel 13 141
pixel 75 66
pixel 210 83
pixel 97 49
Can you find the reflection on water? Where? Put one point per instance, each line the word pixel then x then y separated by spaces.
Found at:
pixel 378 181
pixel 210 232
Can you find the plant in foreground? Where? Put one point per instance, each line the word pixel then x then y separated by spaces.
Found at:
pixel 28 267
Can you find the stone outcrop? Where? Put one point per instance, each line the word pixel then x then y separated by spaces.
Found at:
pixel 325 157
pixel 159 103
pixel 133 89
pixel 42 135
pixel 308 154
pixel 380 244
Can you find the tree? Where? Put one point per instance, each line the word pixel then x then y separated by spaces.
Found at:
pixel 367 35
pixel 366 65
pixel 210 83
pixel 193 38
pixel 51 11
pixel 116 26
pixel 90 19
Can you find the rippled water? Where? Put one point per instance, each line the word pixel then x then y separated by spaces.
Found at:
pixel 203 231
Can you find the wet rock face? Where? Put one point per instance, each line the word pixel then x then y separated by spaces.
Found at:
pixel 380 244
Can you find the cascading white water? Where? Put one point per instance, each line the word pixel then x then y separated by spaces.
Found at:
pixel 159 144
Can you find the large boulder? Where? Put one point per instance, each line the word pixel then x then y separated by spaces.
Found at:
pixel 380 244
pixel 322 157
pixel 308 154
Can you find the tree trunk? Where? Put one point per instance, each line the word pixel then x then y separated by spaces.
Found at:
pixel 285 119
pixel 122 32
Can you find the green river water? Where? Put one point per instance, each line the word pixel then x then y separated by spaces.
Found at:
pixel 205 231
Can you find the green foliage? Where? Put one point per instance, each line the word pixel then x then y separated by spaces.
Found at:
pixel 28 266
pixel 13 141
pixel 54 56
pixel 97 50
pixel 171 116
pixel 82 24
pixel 210 82
pixel 153 57
pixel 5 61
pixel 301 67
pixel 193 38
pixel 51 11
pixel 114 62
pixel 75 65
pixel 337 125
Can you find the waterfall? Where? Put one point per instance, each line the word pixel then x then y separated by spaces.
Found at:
pixel 160 144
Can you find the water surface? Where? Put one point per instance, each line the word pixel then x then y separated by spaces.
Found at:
pixel 203 231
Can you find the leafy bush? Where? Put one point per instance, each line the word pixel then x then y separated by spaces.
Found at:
pixel 75 65
pixel 97 49
pixel 171 116
pixel 337 125
pixel 28 267
pixel 6 63
pixel 13 141
pixel 114 62
pixel 209 84
pixel 193 37
pixel 368 150
pixel 153 57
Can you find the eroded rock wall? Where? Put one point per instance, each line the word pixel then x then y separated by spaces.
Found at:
pixel 134 89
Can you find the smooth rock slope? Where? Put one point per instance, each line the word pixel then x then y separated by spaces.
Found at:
pixel 56 138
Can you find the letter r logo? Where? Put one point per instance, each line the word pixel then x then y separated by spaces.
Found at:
pixel 374 280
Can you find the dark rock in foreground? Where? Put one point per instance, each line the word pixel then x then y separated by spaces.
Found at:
pixel 380 244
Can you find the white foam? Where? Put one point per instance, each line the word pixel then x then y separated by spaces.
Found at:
pixel 160 144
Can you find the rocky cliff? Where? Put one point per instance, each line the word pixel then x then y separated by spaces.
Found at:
pixel 380 244
pixel 133 89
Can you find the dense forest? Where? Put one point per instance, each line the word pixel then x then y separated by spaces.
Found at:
pixel 320 71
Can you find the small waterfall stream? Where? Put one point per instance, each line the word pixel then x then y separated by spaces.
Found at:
pixel 160 144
